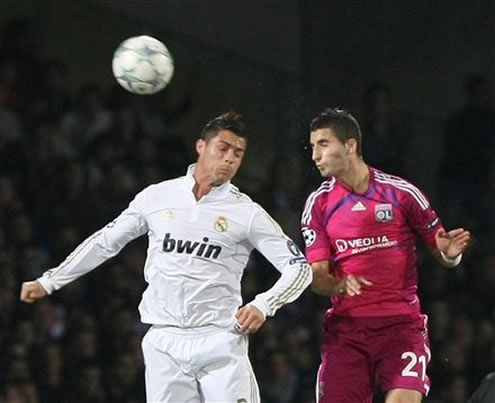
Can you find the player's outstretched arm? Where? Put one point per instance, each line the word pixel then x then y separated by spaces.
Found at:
pixel 451 245
pixel 91 253
pixel 329 285
pixel 32 291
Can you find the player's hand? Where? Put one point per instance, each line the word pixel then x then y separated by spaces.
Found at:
pixel 249 319
pixel 351 285
pixel 452 243
pixel 31 291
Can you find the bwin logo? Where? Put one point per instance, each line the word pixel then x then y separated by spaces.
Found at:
pixel 199 249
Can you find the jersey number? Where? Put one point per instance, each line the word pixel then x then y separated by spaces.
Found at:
pixel 413 360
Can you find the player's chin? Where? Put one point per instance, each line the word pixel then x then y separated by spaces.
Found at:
pixel 324 171
pixel 221 178
pixel 225 174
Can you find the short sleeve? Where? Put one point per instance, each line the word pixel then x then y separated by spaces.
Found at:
pixel 420 215
pixel 313 230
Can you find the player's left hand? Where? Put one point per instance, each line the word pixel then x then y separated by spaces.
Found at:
pixel 249 318
pixel 31 291
pixel 452 243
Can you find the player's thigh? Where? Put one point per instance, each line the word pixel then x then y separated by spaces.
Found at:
pixel 165 380
pixel 228 376
pixel 403 396
pixel 346 373
pixel 404 360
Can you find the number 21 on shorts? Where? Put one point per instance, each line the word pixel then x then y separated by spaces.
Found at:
pixel 412 359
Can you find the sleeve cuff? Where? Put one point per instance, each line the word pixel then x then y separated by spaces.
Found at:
pixel 451 262
pixel 46 284
pixel 262 306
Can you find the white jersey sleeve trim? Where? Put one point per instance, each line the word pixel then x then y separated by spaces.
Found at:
pixel 405 186
pixel 267 237
pixel 326 186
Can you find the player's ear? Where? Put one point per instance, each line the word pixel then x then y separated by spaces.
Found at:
pixel 351 146
pixel 200 145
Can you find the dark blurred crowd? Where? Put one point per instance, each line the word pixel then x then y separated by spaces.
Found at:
pixel 70 161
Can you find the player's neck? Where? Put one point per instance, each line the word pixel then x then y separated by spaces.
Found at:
pixel 203 185
pixel 200 190
pixel 357 177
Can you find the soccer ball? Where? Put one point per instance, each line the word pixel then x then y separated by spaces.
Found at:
pixel 142 65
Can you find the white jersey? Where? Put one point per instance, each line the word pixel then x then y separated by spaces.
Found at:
pixel 196 256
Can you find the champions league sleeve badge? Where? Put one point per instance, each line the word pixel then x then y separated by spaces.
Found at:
pixel 383 212
pixel 309 236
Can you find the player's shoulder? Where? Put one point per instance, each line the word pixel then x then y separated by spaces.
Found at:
pixel 384 179
pixel 325 188
pixel 235 196
pixel 157 191
pixel 387 178
pixel 317 199
pixel 400 186
pixel 242 204
pixel 161 186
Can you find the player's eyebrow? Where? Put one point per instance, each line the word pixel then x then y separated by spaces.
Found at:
pixel 236 148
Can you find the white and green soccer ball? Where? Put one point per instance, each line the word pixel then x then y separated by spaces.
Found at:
pixel 142 65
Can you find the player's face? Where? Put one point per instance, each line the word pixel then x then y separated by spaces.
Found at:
pixel 329 154
pixel 220 157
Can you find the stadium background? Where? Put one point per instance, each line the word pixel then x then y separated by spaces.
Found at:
pixel 74 148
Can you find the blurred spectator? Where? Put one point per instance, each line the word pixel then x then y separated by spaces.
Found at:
pixel 53 98
pixel 20 387
pixel 11 138
pixel 280 385
pixel 10 202
pixel 50 374
pixel 469 145
pixel 456 391
pixel 20 46
pixel 283 192
pixel 88 386
pixel 90 117
pixel 486 391
pixel 386 134
pixel 126 380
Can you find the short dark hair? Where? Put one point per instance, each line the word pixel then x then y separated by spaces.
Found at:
pixel 231 121
pixel 344 125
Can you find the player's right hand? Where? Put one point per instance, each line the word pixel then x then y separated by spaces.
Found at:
pixel 249 319
pixel 31 291
pixel 351 285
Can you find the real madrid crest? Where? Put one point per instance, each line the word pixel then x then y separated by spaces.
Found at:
pixel 169 214
pixel 221 224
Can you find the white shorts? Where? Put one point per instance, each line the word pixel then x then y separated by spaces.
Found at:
pixel 191 366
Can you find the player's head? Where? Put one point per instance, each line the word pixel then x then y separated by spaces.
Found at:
pixel 221 147
pixel 335 140
pixel 231 121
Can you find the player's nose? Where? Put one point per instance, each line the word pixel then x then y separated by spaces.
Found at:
pixel 315 155
pixel 230 157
